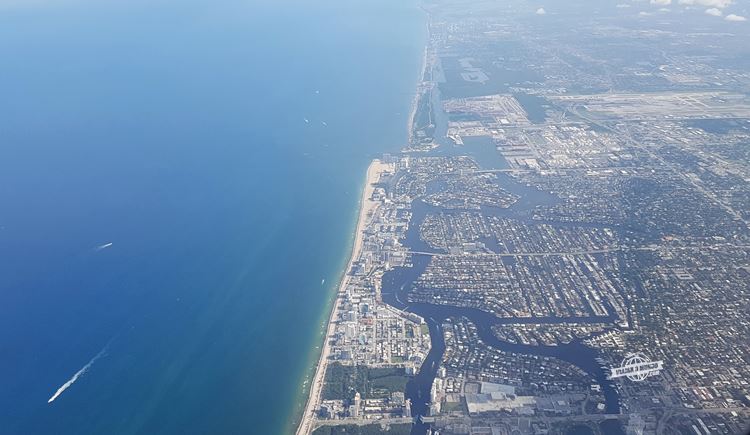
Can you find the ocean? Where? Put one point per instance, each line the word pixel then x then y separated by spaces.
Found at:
pixel 177 180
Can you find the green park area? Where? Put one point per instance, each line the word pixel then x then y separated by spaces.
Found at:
pixel 371 429
pixel 342 382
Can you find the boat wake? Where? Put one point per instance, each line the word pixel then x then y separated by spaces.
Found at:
pixel 104 246
pixel 78 374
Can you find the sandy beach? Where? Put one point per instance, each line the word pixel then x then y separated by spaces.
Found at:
pixel 306 425
pixel 415 101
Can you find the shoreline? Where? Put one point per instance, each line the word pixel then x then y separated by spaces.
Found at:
pixel 417 97
pixel 304 426
pixel 366 205
pixel 421 80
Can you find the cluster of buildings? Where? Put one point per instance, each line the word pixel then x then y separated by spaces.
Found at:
pixel 578 285
pixel 366 333
pixel 508 236
pixel 543 334
pixel 639 240
pixel 469 358
pixel 358 409
pixel 480 380
pixel 482 116
pixel 469 191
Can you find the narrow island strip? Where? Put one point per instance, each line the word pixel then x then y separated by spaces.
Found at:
pixel 367 204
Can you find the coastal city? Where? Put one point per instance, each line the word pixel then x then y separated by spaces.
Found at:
pixel 375 217
pixel 572 206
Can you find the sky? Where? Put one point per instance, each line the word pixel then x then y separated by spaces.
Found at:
pixel 733 11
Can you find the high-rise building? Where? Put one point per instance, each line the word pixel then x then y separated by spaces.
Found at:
pixel 354 409
pixel 435 408
pixel 350 331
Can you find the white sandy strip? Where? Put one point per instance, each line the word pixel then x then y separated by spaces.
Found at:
pixel 75 377
pixel 415 101
pixel 365 210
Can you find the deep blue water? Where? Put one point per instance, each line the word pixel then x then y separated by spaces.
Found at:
pixel 176 131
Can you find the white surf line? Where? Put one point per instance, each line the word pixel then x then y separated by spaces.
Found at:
pixel 104 246
pixel 75 377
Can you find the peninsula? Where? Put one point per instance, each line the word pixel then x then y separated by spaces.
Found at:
pixel 357 312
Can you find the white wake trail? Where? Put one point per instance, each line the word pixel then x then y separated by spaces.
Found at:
pixel 75 377
pixel 104 246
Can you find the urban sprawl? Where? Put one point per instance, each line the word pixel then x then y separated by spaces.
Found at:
pixel 575 191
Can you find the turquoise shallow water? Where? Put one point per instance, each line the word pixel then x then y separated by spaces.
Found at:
pixel 176 131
